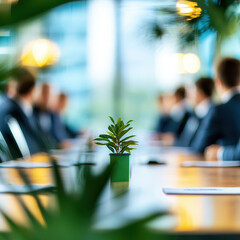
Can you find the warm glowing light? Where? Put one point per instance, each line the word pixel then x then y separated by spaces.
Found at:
pixel 178 62
pixel 40 53
pixel 191 63
pixel 188 9
pixel 186 63
pixel 12 1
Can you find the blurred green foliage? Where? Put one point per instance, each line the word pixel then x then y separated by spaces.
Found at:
pixel 73 217
pixel 220 17
pixel 23 10
pixel 16 14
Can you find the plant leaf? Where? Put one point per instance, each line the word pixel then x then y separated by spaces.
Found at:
pixel 24 10
pixel 112 145
pixel 101 139
pixel 105 136
pixel 111 134
pixel 111 129
pixel 121 129
pixel 110 148
pixel 124 132
pixel 102 144
pixel 132 136
pixel 129 121
pixel 119 121
pixel 112 120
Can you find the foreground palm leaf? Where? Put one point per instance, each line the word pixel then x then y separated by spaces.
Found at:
pixel 219 17
pixel 74 216
pixel 116 139
pixel 23 10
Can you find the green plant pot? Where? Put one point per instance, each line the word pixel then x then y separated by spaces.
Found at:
pixel 120 164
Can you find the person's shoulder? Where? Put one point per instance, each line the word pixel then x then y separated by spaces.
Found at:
pixel 215 109
pixel 233 102
pixel 7 104
pixel 227 108
pixel 235 98
pixel 36 108
pixel 189 113
pixel 12 108
pixel 8 109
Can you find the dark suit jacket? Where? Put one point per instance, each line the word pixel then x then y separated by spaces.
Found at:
pixel 51 132
pixel 182 123
pixel 221 126
pixel 165 124
pixel 191 129
pixel 231 153
pixel 186 137
pixel 58 131
pixel 59 128
pixel 32 132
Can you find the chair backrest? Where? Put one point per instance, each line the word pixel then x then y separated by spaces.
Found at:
pixel 19 137
pixel 5 154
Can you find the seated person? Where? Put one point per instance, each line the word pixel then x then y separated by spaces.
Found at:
pixel 221 125
pixel 164 124
pixel 62 132
pixel 180 114
pixel 227 153
pixel 10 89
pixel 20 108
pixel 204 88
pixel 43 112
pixel 180 111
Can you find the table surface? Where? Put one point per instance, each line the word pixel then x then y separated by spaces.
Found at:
pixel 194 214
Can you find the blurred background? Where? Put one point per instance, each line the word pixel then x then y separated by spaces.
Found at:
pixel 114 57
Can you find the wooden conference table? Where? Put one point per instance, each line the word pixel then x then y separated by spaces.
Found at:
pixel 189 214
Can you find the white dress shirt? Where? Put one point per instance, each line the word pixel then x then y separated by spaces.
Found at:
pixel 25 106
pixel 179 110
pixel 202 108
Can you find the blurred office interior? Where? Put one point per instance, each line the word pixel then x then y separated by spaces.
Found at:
pixel 110 62
pixel 66 65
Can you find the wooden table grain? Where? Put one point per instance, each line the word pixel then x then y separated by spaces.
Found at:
pixel 189 214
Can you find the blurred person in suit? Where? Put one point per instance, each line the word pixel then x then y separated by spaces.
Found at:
pixel 20 108
pixel 10 89
pixel 43 113
pixel 180 111
pixel 179 116
pixel 50 119
pixel 62 130
pixel 221 125
pixel 164 124
pixel 220 153
pixel 202 101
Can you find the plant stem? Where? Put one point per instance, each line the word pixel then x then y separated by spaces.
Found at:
pixel 117 145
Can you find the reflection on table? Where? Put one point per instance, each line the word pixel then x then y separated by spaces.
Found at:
pixel 144 192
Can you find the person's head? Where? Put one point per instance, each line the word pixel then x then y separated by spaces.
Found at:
pixel 25 84
pixel 11 88
pixel 227 74
pixel 180 94
pixel 160 102
pixel 44 95
pixel 165 103
pixel 61 102
pixel 204 89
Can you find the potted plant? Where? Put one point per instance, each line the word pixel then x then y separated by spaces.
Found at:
pixel 121 145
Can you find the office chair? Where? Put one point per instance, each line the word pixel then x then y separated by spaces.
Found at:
pixel 19 137
pixel 5 154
